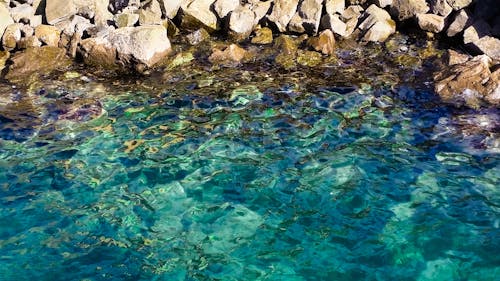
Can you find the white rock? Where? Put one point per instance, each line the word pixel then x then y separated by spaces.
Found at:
pixel 24 11
pixel 282 13
pixel 224 7
pixel 58 10
pixel 461 20
pixel 172 7
pixel 197 14
pixel 11 36
pixel 5 18
pixel 241 22
pixel 145 44
pixel 334 23
pixel 431 22
pixel 334 6
pixel 377 24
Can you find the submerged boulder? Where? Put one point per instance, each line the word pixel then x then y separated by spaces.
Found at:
pixel 47 59
pixel 470 83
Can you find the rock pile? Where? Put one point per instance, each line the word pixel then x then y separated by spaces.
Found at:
pixel 135 33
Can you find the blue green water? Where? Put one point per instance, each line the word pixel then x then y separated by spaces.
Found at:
pixel 248 184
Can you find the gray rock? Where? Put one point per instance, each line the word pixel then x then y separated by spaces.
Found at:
pixel 224 7
pixel 377 24
pixel 282 13
pixel 334 23
pixel 334 6
pixel 489 46
pixel 5 18
pixel 11 36
pixel 406 9
pixel 241 22
pixel 440 7
pixel 459 4
pixel 431 22
pixel 461 20
pixel 197 14
pixel 144 45
pixel 58 10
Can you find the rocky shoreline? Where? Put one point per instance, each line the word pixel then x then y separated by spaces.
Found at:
pixel 38 36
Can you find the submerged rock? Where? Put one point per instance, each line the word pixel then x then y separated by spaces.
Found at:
pixel 231 54
pixel 47 59
pixel 324 42
pixel 263 36
pixel 470 83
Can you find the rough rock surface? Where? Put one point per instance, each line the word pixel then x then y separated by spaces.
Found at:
pixel 406 9
pixel 11 36
pixel 334 23
pixel 377 24
pixel 230 55
pixel 461 20
pixel 324 42
pixel 48 34
pixel 469 83
pixel 5 18
pixel 282 13
pixel 48 59
pixel 307 17
pixel 431 22
pixel 197 14
pixel 263 36
pixel 241 22
pixel 57 10
pixel 224 7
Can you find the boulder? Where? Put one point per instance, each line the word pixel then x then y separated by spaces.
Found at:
pixel 11 36
pixel 126 19
pixel 197 14
pixel 263 36
pixel 334 23
pixel 101 13
pixel 241 22
pixel 431 22
pixel 29 42
pixel 5 18
pixel 461 20
pixel 384 3
pixel 282 13
pixel 233 54
pixel 172 7
pixel 307 17
pixel 261 9
pixel 98 51
pixel 324 42
pixel 454 57
pixel 198 36
pixel 47 34
pixel 478 29
pixel 224 7
pixel 334 6
pixel 47 59
pixel 470 83
pixel 489 46
pixel 151 14
pixel 440 7
pixel 350 16
pixel 406 9
pixel 377 24
pixel 142 46
pixel 459 4
pixel 22 13
pixel 58 10
pixel 131 47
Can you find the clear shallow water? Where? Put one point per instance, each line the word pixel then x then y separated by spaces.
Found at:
pixel 336 184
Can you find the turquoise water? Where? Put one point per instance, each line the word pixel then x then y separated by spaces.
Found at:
pixel 249 184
